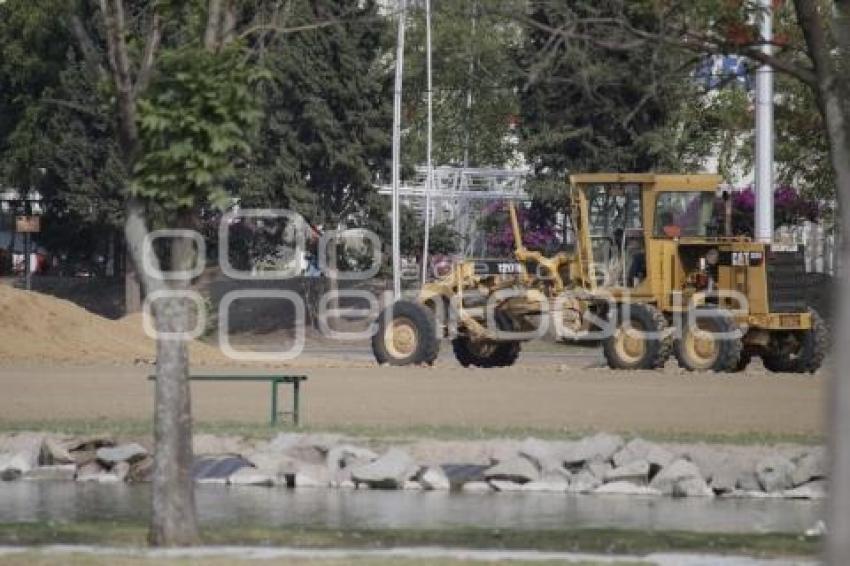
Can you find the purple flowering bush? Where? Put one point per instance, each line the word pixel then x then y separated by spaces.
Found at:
pixel 790 207
pixel 537 223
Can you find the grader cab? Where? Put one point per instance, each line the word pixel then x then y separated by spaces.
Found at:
pixel 655 272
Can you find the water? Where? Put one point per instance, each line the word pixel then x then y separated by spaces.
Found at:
pixel 24 501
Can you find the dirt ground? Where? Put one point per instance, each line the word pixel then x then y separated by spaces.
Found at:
pixel 60 362
pixel 573 396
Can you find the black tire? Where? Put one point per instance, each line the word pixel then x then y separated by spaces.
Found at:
pixel 744 362
pixel 651 352
pixel 813 346
pixel 416 322
pixel 492 355
pixel 725 354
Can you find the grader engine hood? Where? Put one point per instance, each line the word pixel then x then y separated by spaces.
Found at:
pixel 771 279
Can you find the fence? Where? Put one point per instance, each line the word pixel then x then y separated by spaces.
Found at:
pixel 819 243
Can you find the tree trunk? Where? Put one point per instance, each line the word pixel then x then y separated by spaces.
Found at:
pixel 838 505
pixel 831 89
pixel 132 290
pixel 173 521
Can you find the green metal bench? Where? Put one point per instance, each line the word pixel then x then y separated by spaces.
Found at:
pixel 275 380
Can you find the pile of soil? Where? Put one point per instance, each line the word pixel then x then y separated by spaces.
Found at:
pixel 40 328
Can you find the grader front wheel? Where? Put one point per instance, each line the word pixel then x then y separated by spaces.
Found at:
pixel 488 354
pixel 406 334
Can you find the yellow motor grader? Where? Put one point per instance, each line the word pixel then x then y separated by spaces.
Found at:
pixel 655 272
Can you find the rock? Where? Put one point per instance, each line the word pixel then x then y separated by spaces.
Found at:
pixel 636 472
pixel 214 445
pixel 692 487
pixel 583 482
pixel 13 466
pixel 725 480
pixel 551 482
pixel 758 494
pixel 812 490
pixel 547 456
pixel 599 469
pixel 274 464
pixel 60 472
pixel 22 451
pixel 476 487
pixel 460 474
pixel 121 470
pixel 625 488
pixel 810 466
pixel 312 475
pixel 504 485
pixel 600 447
pixel 222 467
pixel 517 469
pixel 640 449
pixel 251 476
pixel 55 452
pixel 141 471
pixel 342 459
pixel 123 453
pixel 500 450
pixel 389 471
pixel 708 459
pixel 678 470
pixel 211 481
pixel 747 481
pixel 434 478
pixel 91 468
pixel 90 444
pixel 775 473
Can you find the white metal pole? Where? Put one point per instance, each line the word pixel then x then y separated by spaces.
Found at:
pixel 764 132
pixel 430 173
pixel 396 169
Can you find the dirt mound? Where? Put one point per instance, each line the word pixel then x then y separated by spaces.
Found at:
pixel 40 328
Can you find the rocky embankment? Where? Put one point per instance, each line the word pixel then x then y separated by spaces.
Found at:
pixel 599 464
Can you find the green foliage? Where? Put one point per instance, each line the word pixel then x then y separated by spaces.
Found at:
pixel 194 123
pixel 590 104
pixel 472 55
pixel 325 137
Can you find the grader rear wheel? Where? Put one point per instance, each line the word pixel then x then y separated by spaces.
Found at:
pixel 640 339
pixel 406 334
pixel 800 352
pixel 712 343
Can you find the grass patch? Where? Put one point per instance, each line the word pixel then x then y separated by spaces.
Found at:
pixel 605 541
pixel 35 558
pixel 393 433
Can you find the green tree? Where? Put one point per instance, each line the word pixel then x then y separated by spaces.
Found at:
pixel 586 107
pixel 475 104
pixel 324 139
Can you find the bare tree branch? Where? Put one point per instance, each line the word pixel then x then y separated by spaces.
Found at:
pixel 149 56
pixel 119 62
pixel 670 36
pixel 211 34
pixel 86 45
pixel 306 27
pixel 228 23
